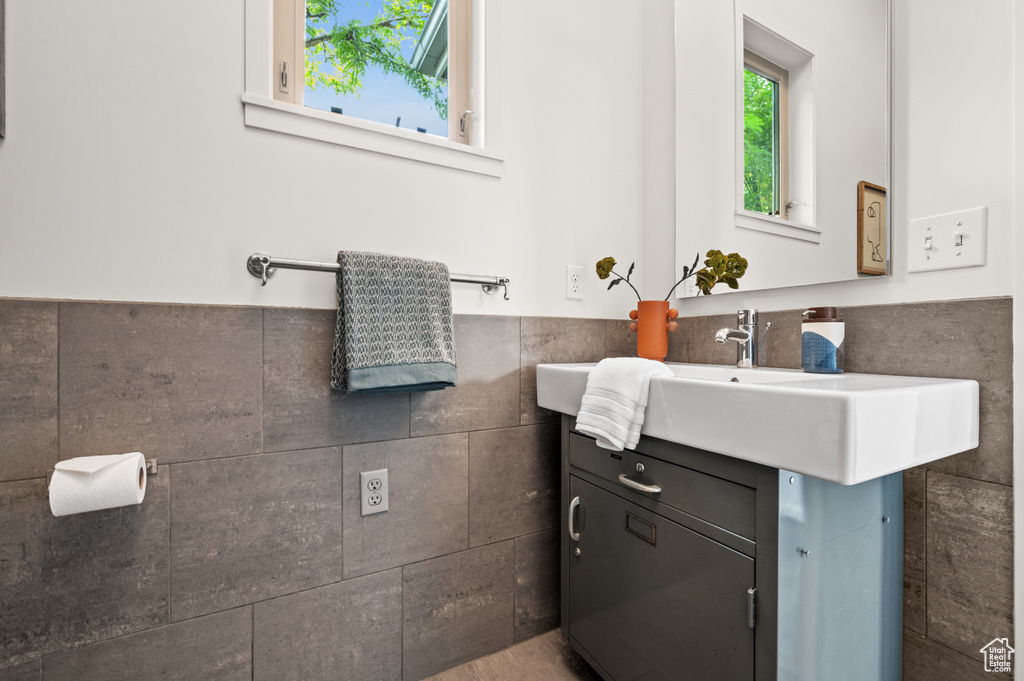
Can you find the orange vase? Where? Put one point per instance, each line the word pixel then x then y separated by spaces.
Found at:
pixel 654 320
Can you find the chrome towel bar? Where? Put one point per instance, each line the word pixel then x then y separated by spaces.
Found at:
pixel 263 267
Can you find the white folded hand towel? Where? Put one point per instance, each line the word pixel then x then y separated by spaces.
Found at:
pixel 613 406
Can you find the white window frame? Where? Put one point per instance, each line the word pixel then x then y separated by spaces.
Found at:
pixel 262 111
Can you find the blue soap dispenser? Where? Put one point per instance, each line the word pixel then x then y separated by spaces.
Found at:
pixel 822 338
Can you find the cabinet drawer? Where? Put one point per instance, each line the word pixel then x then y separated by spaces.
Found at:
pixel 726 504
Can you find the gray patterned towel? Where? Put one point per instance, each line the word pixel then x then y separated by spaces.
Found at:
pixel 394 331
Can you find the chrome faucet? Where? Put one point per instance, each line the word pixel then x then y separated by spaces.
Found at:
pixel 747 344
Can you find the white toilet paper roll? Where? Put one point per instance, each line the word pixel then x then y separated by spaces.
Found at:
pixel 91 483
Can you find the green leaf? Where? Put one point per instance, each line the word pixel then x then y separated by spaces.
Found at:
pixel 614 282
pixel 348 47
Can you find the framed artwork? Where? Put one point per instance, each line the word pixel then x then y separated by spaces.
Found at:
pixel 872 253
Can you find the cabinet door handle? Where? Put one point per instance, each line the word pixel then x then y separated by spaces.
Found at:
pixel 653 489
pixel 573 534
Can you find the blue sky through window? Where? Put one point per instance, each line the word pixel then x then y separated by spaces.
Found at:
pixel 384 97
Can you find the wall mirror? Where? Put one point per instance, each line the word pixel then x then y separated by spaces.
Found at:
pixel 782 138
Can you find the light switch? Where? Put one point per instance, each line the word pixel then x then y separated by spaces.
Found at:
pixel 948 241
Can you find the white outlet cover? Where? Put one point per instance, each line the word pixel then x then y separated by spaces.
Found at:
pixel 940 232
pixel 370 483
pixel 573 282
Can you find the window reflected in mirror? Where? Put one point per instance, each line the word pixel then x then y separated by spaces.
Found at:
pixel 765 147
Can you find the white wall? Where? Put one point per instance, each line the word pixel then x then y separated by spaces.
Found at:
pixel 953 150
pixel 658 145
pixel 127 173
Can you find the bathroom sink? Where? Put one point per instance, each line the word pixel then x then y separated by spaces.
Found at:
pixel 845 428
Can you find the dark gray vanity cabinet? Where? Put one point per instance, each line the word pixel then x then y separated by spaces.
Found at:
pixel 682 564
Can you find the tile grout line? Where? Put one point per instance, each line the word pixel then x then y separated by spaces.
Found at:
pixel 263 379
pixel 924 500
pixel 401 652
pixel 341 507
pixel 170 542
pixel 520 377
pixel 514 590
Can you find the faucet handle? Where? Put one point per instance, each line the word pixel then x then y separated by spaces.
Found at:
pixel 767 328
pixel 746 317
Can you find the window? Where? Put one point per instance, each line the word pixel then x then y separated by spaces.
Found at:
pixel 312 66
pixel 765 138
pixel 775 177
pixel 396 62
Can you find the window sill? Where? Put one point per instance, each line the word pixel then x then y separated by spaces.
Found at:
pixel 759 222
pixel 269 114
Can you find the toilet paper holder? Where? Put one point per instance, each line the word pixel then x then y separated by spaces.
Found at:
pixel 150 471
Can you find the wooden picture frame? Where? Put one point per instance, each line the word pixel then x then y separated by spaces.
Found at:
pixel 872 230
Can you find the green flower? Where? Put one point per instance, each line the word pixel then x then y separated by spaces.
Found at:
pixel 721 268
pixel 736 267
pixel 604 267
pixel 717 262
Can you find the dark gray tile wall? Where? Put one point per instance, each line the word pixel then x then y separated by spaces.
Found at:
pixel 547 340
pixel 248 558
pixel 326 634
pixel 513 482
pixel 925 660
pixel 456 608
pixel 300 410
pixel 970 561
pixel 176 382
pixel 958 511
pixel 487 395
pixel 537 583
pixel 251 528
pixel 914 551
pixel 28 388
pixel 29 670
pixel 215 648
pixel 78 579
pixel 249 551
pixel 428 502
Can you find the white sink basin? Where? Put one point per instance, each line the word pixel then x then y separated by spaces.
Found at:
pixel 845 428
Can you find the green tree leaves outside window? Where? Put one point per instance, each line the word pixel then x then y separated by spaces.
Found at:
pixel 351 46
pixel 760 135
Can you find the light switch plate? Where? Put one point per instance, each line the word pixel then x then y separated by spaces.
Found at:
pixel 948 241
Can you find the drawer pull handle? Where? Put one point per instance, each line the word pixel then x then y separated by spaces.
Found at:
pixel 653 489
pixel 573 534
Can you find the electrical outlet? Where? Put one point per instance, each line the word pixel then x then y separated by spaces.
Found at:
pixel 373 492
pixel 573 282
